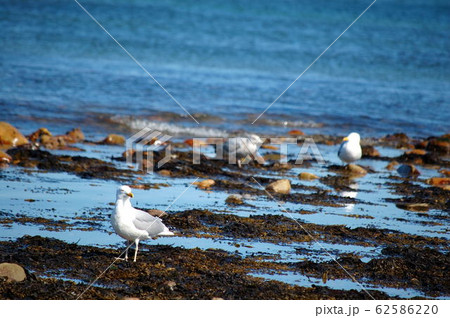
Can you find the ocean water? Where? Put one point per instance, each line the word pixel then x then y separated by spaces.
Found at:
pixel 227 61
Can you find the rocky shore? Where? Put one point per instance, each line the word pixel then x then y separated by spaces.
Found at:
pixel 58 270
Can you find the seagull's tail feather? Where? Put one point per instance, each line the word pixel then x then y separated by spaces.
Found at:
pixel 166 232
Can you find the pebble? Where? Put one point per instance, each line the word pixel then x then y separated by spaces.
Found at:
pixel 205 184
pixel 355 169
pixel 407 170
pixel 438 181
pixel 165 173
pixel 307 176
pixel 414 207
pixel 113 139
pixel 370 151
pixel 235 199
pixel 391 165
pixel 282 186
pixel 419 152
pixel 4 157
pixel 296 132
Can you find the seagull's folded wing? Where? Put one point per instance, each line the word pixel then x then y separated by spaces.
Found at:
pixel 153 225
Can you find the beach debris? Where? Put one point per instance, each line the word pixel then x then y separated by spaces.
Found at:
pixel 282 186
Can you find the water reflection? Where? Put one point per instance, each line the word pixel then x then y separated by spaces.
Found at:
pixel 351 192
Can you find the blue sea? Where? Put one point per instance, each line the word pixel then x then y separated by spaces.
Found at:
pixel 225 62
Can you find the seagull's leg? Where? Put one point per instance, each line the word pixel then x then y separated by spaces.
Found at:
pixel 126 251
pixel 126 254
pixel 136 250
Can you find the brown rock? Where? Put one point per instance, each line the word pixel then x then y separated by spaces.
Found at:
pixel 273 157
pixel 205 184
pixel 397 137
pixel 10 136
pixel 296 132
pixel 4 157
pixel 270 147
pixel 12 272
pixel 165 172
pixel 391 165
pixel 53 142
pixel 355 169
pixel 445 172
pixel 439 145
pixel 113 139
pixel 438 181
pixel 307 176
pixel 419 152
pixel 74 136
pixel 421 145
pixel 370 151
pixel 156 212
pixel 129 152
pixel 282 186
pixel 414 207
pixel 37 135
pixel 407 170
pixel 234 200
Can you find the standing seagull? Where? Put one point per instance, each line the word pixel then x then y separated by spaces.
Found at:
pixel 241 147
pixel 133 224
pixel 350 149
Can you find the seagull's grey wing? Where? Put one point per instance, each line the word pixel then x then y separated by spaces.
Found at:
pixel 340 149
pixel 144 221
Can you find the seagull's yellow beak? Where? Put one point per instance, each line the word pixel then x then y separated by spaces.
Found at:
pixel 130 195
pixel 345 139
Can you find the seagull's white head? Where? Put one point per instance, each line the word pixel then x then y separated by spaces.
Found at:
pixel 353 137
pixel 124 193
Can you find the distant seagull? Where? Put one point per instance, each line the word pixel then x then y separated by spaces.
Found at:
pixel 240 148
pixel 350 149
pixel 133 224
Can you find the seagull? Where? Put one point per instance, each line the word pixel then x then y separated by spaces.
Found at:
pixel 133 224
pixel 241 147
pixel 350 149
